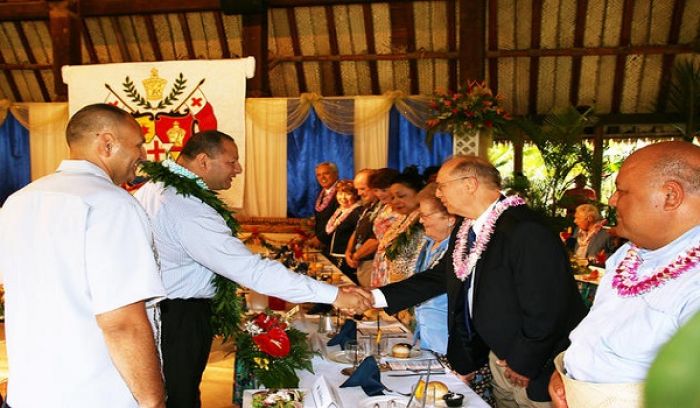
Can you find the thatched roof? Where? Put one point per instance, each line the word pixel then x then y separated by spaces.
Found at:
pixel 539 54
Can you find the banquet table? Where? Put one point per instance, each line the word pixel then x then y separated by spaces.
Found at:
pixel 325 366
pixel 588 283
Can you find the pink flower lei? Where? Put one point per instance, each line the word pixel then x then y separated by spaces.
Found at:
pixel 627 282
pixel 464 267
pixel 330 196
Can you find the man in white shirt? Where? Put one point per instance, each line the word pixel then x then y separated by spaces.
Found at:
pixel 194 243
pixel 77 263
pixel 651 286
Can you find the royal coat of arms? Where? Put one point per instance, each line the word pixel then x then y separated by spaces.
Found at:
pixel 169 120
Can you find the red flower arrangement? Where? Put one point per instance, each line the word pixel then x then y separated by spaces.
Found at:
pixel 471 108
pixel 272 350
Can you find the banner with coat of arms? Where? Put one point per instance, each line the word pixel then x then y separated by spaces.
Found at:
pixel 171 100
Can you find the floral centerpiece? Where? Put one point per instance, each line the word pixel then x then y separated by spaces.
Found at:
pixel 271 350
pixel 470 109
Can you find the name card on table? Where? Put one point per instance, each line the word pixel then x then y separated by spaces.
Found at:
pixel 324 396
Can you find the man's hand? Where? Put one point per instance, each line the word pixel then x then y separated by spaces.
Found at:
pixel 513 377
pixel 556 391
pixel 353 300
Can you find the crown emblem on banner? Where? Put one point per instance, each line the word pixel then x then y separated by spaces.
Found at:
pixel 154 86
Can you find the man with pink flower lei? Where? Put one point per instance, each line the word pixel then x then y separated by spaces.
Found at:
pixel 509 286
pixel 652 284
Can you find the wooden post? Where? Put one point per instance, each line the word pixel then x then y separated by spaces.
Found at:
pixel 472 40
pixel 518 144
pixel 64 26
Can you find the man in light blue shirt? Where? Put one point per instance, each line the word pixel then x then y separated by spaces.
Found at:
pixel 644 296
pixel 194 243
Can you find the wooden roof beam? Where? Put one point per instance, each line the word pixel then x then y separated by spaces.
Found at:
pixel 403 37
pixel 452 72
pixel 669 59
pixel 371 48
pixel 621 60
pixel 24 10
pixel 493 45
pixel 472 40
pixel 535 38
pixel 296 48
pixel 32 60
pixel 593 51
pixel 331 79
pixel 579 30
pixel 255 45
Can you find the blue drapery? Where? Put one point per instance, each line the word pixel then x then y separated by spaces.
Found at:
pixel 15 170
pixel 407 145
pixel 307 146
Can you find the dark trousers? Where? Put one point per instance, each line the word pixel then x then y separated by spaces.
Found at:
pixel 186 337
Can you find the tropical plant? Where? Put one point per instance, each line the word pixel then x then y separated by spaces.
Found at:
pixel 673 377
pixel 560 141
pixel 684 97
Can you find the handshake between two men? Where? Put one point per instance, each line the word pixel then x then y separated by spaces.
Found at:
pixel 353 300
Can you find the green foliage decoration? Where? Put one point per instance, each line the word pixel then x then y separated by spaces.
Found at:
pixel 178 89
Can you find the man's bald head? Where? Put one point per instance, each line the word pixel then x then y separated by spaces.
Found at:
pixel 93 120
pixel 674 161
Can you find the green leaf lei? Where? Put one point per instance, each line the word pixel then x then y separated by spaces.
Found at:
pixel 227 306
pixel 402 240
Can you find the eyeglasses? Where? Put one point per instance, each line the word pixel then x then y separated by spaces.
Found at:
pixel 426 216
pixel 441 186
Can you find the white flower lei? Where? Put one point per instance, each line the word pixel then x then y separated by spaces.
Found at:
pixel 464 267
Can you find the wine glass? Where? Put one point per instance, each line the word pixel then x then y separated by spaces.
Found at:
pixel 355 352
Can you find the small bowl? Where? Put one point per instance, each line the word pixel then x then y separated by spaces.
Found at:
pixel 453 399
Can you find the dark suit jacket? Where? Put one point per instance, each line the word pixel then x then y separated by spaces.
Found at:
pixel 525 300
pixel 321 219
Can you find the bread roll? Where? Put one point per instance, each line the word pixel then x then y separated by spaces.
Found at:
pixel 401 350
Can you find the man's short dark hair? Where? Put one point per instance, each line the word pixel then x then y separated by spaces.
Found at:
pixel 382 178
pixel 93 119
pixel 208 142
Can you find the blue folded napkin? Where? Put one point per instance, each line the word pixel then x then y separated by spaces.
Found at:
pixel 366 376
pixel 347 332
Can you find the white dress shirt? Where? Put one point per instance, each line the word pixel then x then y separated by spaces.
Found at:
pixel 194 242
pixel 620 337
pixel 72 245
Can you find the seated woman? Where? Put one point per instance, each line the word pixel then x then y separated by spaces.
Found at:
pixel 589 237
pixel 398 246
pixel 342 224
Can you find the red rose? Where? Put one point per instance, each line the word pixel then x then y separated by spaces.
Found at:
pixel 275 342
pixel 488 123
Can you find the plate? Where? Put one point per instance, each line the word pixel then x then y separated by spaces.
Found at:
pixel 384 401
pixel 307 400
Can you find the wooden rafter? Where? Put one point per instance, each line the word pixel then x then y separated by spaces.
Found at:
pixel 296 48
pixel 152 37
pixel 535 37
pixel 182 17
pixel 336 87
pixel 32 60
pixel 403 37
pixel 10 80
pixel 593 51
pixel 452 73
pixel 621 60
pixel 89 45
pixel 221 32
pixel 365 57
pixel 493 45
pixel 579 30
pixel 371 49
pixel 121 41
pixel 669 59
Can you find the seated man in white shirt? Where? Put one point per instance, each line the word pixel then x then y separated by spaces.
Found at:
pixel 77 262
pixel 194 243
pixel 652 284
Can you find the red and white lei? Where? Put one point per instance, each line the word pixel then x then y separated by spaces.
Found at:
pixel 330 196
pixel 464 264
pixel 627 282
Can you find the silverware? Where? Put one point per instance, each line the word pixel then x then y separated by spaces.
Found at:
pixel 413 394
pixel 427 381
pixel 415 373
